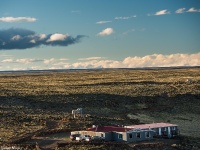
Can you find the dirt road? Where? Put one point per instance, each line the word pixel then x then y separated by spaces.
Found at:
pixel 49 142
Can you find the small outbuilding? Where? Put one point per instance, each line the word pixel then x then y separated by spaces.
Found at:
pixel 133 133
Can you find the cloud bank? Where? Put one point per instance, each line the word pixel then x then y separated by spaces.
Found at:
pixel 16 38
pixel 154 60
pixel 17 19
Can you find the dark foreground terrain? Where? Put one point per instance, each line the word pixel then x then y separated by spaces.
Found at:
pixel 30 102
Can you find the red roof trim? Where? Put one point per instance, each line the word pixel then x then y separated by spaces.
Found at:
pixel 152 125
pixel 108 129
pixel 127 128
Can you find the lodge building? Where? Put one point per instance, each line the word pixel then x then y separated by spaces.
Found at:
pixel 132 133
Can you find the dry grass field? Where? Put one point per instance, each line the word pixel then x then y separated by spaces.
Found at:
pixel 118 96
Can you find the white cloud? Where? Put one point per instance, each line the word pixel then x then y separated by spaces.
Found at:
pixel 162 12
pixel 17 19
pixel 154 60
pixel 16 37
pixel 193 10
pixel 105 32
pixel 98 64
pixel 63 59
pixel 125 18
pixel 48 61
pixel 22 60
pixel 7 61
pixel 32 41
pixel 26 60
pixel 91 58
pixel 42 36
pixel 102 22
pixel 159 60
pixel 57 37
pixel 180 10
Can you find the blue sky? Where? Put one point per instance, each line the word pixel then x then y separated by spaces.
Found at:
pixel 69 34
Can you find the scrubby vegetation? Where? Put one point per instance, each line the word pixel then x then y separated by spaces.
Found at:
pixel 33 101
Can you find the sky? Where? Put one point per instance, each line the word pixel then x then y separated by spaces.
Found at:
pixel 85 34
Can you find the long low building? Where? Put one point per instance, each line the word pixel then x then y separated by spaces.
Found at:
pixel 161 129
pixel 132 133
pixel 115 133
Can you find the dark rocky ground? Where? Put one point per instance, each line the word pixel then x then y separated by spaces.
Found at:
pixel 122 97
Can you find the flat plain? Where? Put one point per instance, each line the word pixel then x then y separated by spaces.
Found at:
pixel 116 96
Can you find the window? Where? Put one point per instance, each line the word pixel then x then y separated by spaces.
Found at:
pixel 147 134
pixel 138 135
pixel 130 136
pixel 120 136
pixel 101 134
pixel 173 128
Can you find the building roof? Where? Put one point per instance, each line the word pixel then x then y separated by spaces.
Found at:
pixel 109 129
pixel 128 128
pixel 152 125
pixel 140 130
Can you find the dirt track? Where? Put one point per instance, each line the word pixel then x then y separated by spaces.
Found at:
pixel 50 142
